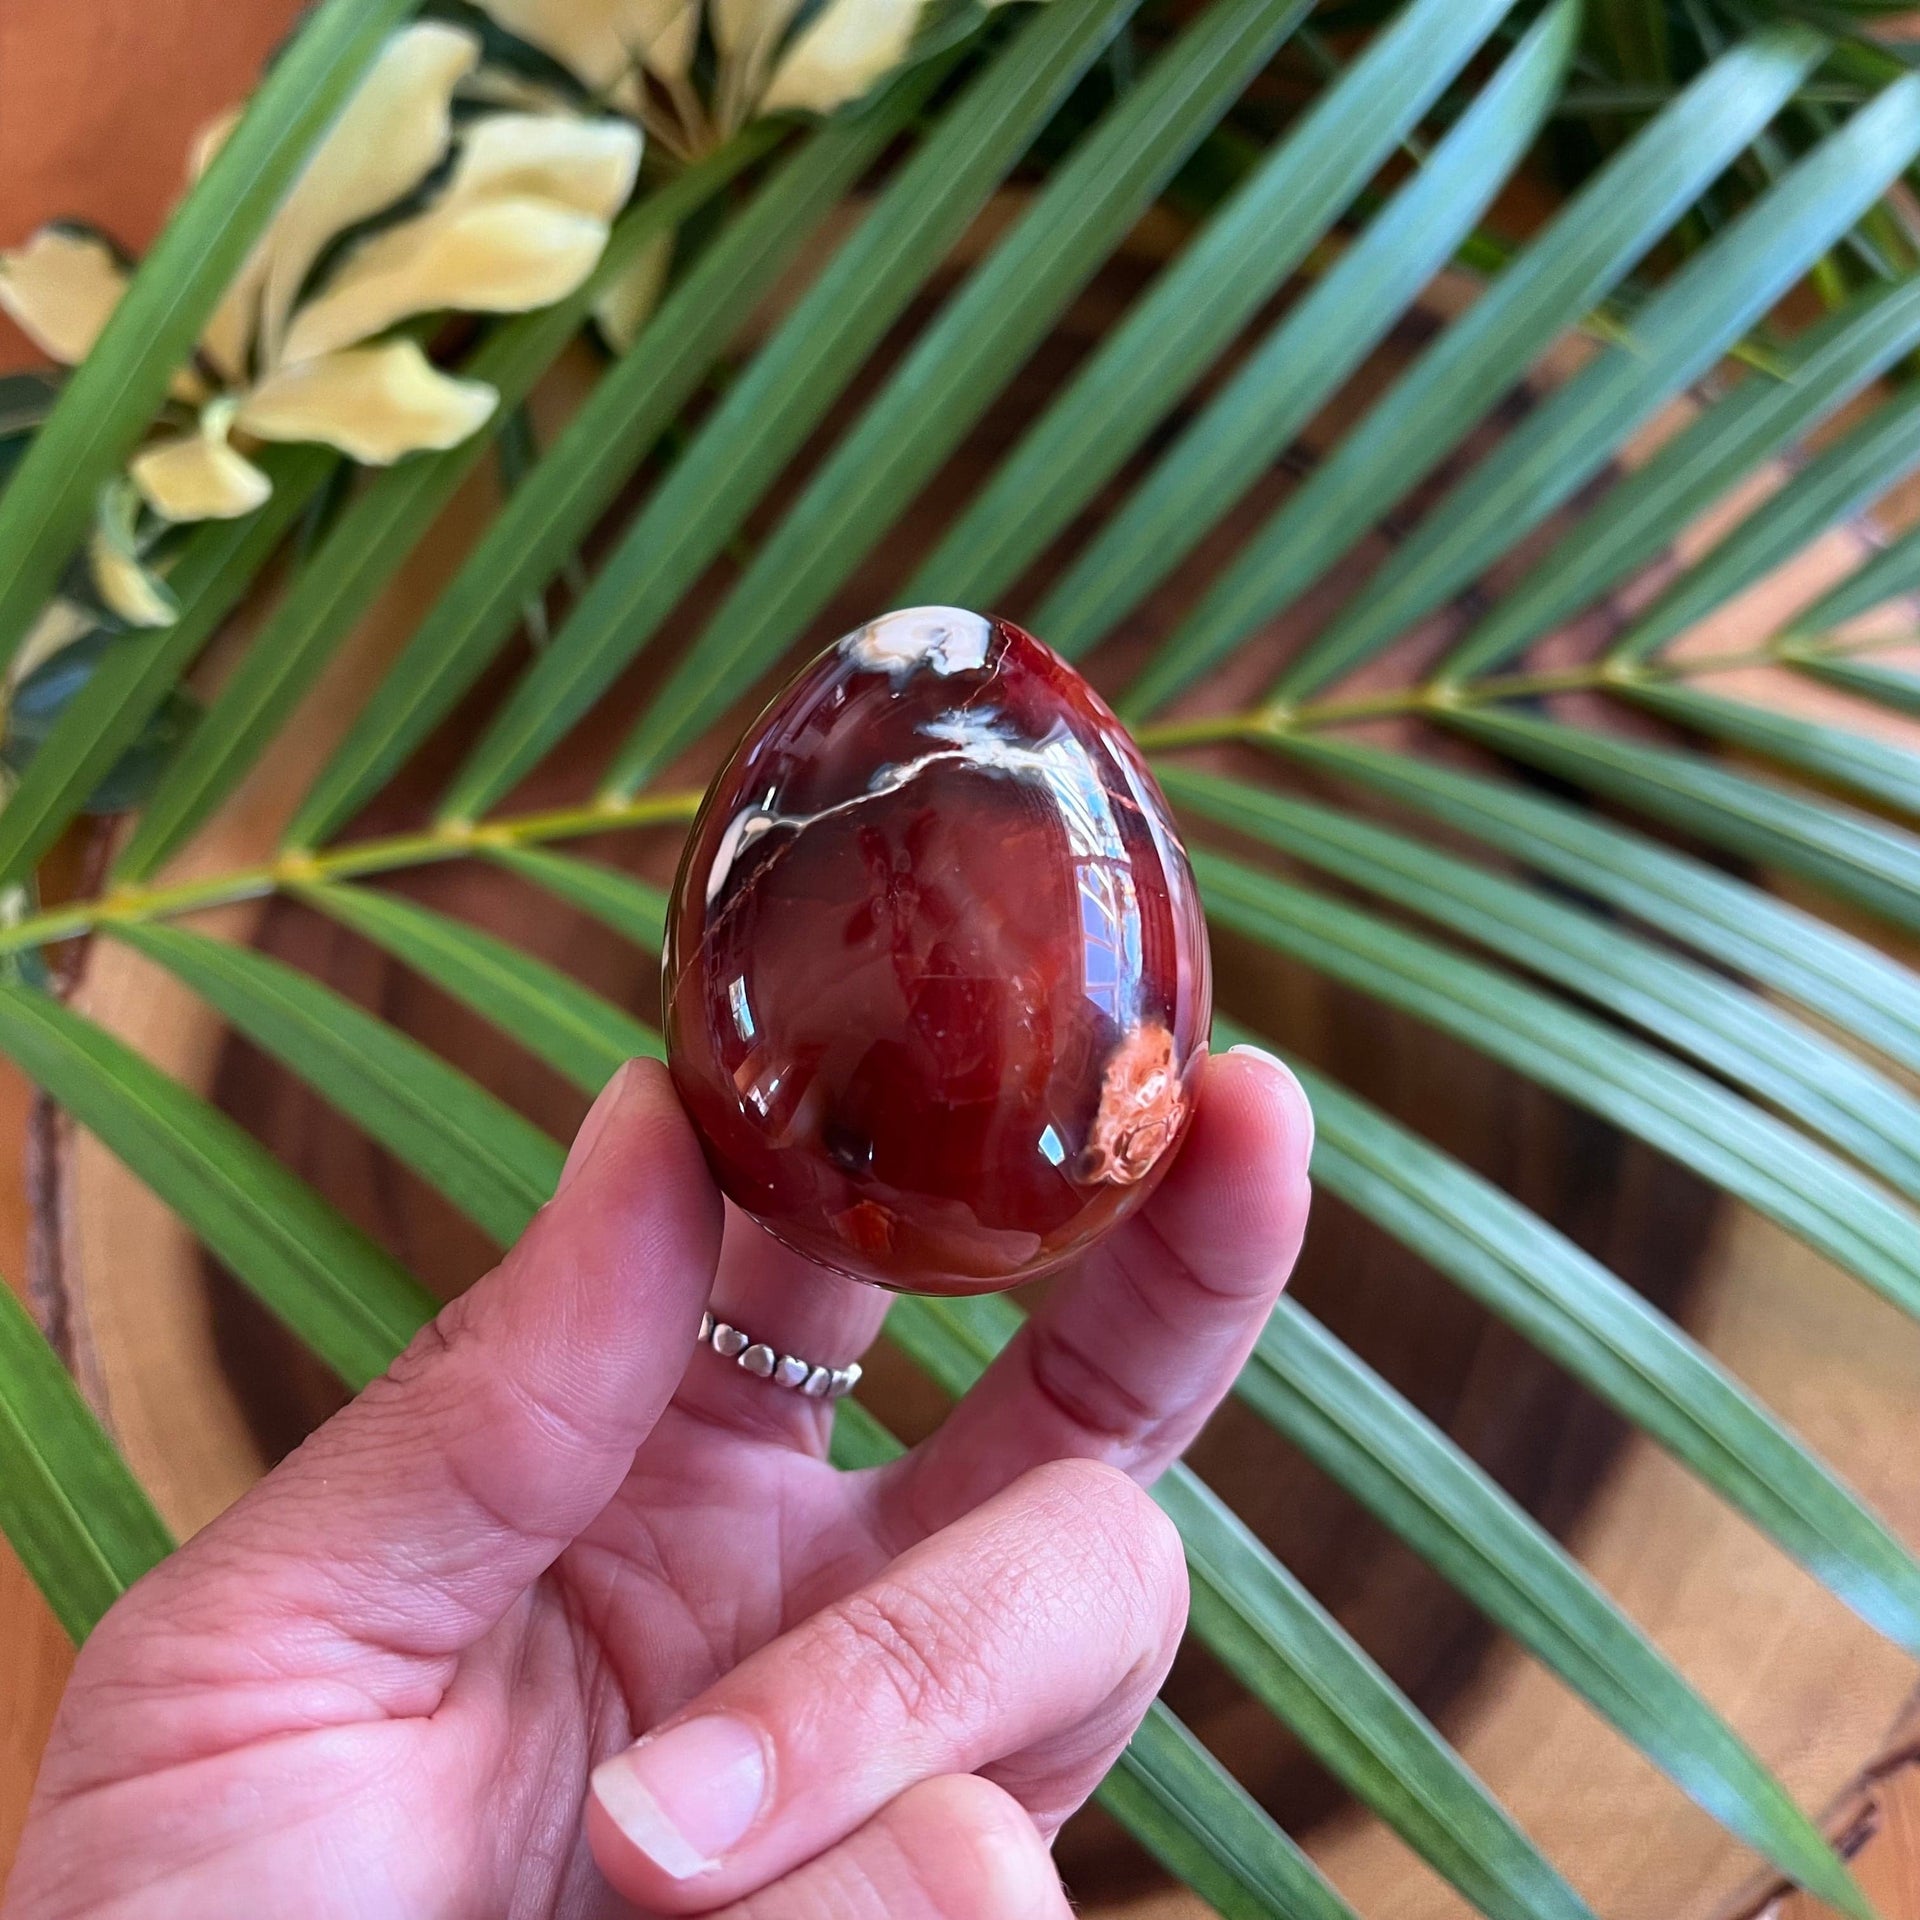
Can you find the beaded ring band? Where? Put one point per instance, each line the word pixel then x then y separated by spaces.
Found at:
pixel 783 1369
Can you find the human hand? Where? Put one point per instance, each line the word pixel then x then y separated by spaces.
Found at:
pixel 379 1683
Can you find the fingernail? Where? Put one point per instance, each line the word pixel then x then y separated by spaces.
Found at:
pixel 1280 1066
pixel 686 1796
pixel 593 1126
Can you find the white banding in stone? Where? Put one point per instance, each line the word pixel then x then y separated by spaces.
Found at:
pixel 947 639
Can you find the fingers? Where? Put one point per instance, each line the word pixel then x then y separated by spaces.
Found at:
pixel 779 1298
pixel 417 1515
pixel 1131 1354
pixel 956 1848
pixel 1025 1641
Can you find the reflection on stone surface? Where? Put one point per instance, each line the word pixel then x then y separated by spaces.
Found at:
pixel 937 975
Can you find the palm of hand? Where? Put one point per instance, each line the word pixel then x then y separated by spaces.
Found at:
pixel 377 1685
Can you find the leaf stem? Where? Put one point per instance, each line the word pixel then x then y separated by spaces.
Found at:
pixel 354 860
pixel 1438 696
pixel 454 839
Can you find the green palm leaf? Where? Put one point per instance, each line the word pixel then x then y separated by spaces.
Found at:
pixel 1846 852
pixel 581 1036
pixel 1737 926
pixel 1883 774
pixel 1690 1007
pixel 1721 1137
pixel 1675 337
pixel 1315 348
pixel 330 1284
pixel 77 1518
pixel 789 387
pixel 497 1168
pixel 1826 367
pixel 1174 334
pixel 1845 478
pixel 1609 1339
pixel 981 336
pixel 769 463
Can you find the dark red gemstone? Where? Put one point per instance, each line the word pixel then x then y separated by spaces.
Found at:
pixel 937 975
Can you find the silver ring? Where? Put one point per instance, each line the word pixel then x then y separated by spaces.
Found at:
pixel 783 1369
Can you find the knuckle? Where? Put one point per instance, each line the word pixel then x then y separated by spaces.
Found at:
pixel 427 1352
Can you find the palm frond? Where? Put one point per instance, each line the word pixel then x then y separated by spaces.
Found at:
pixel 1474 551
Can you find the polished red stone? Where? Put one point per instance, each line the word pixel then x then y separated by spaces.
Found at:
pixel 937 975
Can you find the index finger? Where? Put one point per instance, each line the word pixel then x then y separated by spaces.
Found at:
pixel 1132 1353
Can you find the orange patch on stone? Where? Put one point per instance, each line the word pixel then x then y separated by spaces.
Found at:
pixel 1141 1102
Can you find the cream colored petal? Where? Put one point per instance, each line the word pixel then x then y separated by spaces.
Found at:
pixel 199 477
pixel 388 137
pixel 500 256
pixel 375 403
pixel 587 165
pixel 127 588
pixel 61 623
pixel 628 302
pixel 230 331
pixel 603 41
pixel 60 287
pixel 841 53
pixel 744 23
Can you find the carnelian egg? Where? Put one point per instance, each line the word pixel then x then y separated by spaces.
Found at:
pixel 937 984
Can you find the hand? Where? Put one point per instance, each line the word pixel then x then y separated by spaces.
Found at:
pixel 379 1683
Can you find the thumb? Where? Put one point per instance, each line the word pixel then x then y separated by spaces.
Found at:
pixel 419 1513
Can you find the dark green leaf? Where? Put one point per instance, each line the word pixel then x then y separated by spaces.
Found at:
pixel 1721 292
pixel 1289 376
pixel 1608 1338
pixel 578 1034
pixel 790 385
pixel 1192 313
pixel 1184 1807
pixel 1733 923
pixel 1347 1420
pixel 337 1291
pixel 1849 853
pixel 1596 238
pixel 1836 484
pixel 1877 770
pixel 629 906
pixel 76 1516
pixel 497 1168
pixel 1698 1012
pixel 1886 686
pixel 1723 1138
pixel 959 363
pixel 1891 573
